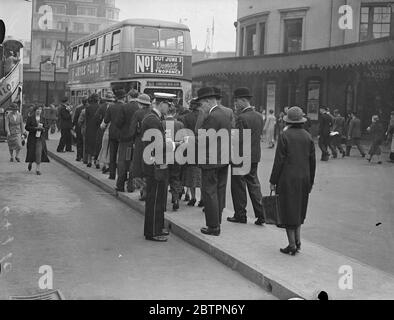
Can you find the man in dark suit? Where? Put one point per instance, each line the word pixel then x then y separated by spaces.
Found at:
pixel 338 131
pixel 214 175
pixel 125 151
pixel 110 117
pixel 325 124
pixel 77 129
pixel 247 119
pixel 66 124
pixel 156 173
pixel 354 135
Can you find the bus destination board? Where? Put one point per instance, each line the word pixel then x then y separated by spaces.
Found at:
pixel 158 64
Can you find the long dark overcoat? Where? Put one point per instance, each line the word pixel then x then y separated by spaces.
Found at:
pixel 137 165
pixel 293 174
pixel 31 127
pixel 91 128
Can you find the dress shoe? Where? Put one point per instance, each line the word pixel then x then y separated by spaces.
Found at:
pixel 12 160
pixel 211 231
pixel 17 159
pixel 201 204
pixel 85 162
pixel 237 219
pixel 78 159
pixel 97 166
pixel 119 189
pixel 111 178
pixel 89 165
pixel 38 173
pixel 259 222
pixel 29 167
pixel 187 197
pixel 157 238
pixel 70 151
pixel 298 246
pixel 289 250
pixel 192 202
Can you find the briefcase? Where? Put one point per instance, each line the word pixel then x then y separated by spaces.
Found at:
pixel 271 209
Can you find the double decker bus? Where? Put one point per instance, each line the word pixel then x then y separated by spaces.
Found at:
pixel 147 55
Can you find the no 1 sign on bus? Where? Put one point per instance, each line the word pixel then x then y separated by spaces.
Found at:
pixel 158 64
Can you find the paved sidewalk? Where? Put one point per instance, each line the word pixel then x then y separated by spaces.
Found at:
pixel 254 251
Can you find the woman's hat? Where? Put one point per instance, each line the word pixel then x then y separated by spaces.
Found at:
pixel 207 92
pixel 242 93
pixel 144 99
pixel 295 115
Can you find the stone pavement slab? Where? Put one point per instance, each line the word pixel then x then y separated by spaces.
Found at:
pixel 254 251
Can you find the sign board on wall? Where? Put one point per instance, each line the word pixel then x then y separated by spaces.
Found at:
pixel 158 64
pixel 47 71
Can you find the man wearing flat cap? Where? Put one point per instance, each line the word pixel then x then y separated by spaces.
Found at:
pixel 110 117
pixel 247 119
pixel 214 175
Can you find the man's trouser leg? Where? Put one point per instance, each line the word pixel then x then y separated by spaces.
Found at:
pixel 254 188
pixel 79 144
pixel 238 194
pixel 175 181
pixel 67 139
pixel 154 207
pixel 323 147
pixel 113 152
pixel 61 145
pixel 124 155
pixel 209 191
pixel 357 142
pixel 333 146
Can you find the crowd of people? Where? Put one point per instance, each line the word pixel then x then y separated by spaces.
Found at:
pixel 108 133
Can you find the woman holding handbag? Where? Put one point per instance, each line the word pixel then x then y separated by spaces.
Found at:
pixel 36 145
pixel 292 177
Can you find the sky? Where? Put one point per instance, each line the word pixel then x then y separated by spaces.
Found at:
pixel 197 14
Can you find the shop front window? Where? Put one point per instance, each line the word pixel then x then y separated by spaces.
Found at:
pixel 313 99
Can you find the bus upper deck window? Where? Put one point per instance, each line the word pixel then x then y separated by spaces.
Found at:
pixel 146 38
pixel 80 52
pixel 107 42
pixel 100 43
pixel 75 54
pixel 115 41
pixel 86 50
pixel 92 49
pixel 171 39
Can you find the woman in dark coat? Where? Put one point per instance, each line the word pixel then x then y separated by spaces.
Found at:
pixel 377 133
pixel 91 128
pixel 293 176
pixel 191 174
pixel 36 145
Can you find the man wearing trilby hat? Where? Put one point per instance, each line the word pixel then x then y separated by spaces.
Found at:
pixel 247 119
pixel 214 175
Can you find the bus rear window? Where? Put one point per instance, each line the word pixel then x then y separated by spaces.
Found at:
pixel 92 50
pixel 80 52
pixel 100 43
pixel 107 42
pixel 146 38
pixel 171 40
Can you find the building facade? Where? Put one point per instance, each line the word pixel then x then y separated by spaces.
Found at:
pixel 55 24
pixel 311 53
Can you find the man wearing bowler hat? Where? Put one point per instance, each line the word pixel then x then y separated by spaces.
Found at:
pixel 110 117
pixel 214 175
pixel 247 119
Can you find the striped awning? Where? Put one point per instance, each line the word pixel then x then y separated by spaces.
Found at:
pixel 357 54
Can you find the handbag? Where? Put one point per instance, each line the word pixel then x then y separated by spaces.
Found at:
pixel 271 209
